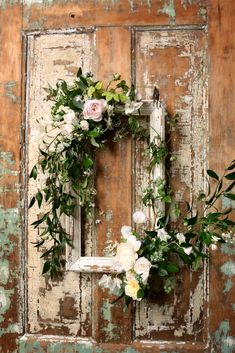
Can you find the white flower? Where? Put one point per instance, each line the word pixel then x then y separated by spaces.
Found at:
pixel 131 289
pixel 131 107
pixel 180 237
pixel 126 230
pixel 215 239
pixel 67 129
pixel 126 256
pixel 130 275
pixel 70 117
pixel 214 247
pixel 139 217
pixel 162 234
pixel 188 250
pixel 84 125
pixel 131 239
pixel 113 284
pixel 142 265
pixel 105 281
pixel 93 109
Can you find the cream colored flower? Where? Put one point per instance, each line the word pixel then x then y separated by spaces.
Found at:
pixel 84 125
pixel 126 256
pixel 131 239
pixel 142 265
pixel 131 289
pixel 131 107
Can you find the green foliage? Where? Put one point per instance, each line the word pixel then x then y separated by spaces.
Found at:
pixel 67 160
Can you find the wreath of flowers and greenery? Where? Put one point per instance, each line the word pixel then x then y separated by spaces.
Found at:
pixel 83 117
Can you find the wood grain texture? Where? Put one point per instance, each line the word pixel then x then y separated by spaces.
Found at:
pixel 221 152
pixel 112 13
pixel 114 185
pixel 176 63
pixel 11 324
pixel 59 306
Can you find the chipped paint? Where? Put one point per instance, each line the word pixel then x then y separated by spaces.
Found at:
pixel 228 249
pixel 228 286
pixel 9 91
pixel 169 10
pixel 228 268
pixel 108 327
pixel 7 164
pixel 223 339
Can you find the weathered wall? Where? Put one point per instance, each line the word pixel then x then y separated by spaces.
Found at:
pixel 16 18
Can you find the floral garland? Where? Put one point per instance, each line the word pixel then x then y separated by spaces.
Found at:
pixel 83 117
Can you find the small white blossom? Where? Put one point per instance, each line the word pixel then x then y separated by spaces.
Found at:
pixel 214 247
pixel 139 217
pixel 126 231
pixel 142 267
pixel 188 250
pixel 162 234
pixel 105 281
pixel 131 107
pixel 180 237
pixel 131 239
pixel 84 125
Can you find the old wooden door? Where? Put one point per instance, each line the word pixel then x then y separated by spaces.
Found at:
pixel 175 45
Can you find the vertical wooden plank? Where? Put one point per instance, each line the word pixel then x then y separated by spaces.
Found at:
pixel 175 62
pixel 62 306
pixel 10 236
pixel 113 183
pixel 221 152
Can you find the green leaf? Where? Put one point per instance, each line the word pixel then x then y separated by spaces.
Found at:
pixel 39 198
pixel 109 96
pixel 90 91
pixel 229 195
pixel 34 173
pixel 172 268
pixel 94 143
pixel 32 202
pixel 99 85
pixel 46 267
pixel 87 162
pixel 79 73
pixel 232 166
pixel 231 186
pixel 162 272
pixel 212 174
pixel 78 103
pixel 230 176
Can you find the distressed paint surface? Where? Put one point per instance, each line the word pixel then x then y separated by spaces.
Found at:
pixel 183 315
pixel 51 15
pixel 57 306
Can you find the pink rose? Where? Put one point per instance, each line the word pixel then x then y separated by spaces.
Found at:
pixel 93 109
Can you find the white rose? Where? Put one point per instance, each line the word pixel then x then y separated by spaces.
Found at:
pixel 214 247
pixel 67 129
pixel 131 239
pixel 180 237
pixel 126 230
pixel 126 256
pixel 139 217
pixel 84 125
pixel 188 250
pixel 163 235
pixel 142 265
pixel 70 117
pixel 131 289
pixel 93 109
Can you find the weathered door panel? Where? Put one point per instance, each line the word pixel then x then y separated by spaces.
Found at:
pixel 184 89
pixel 160 42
